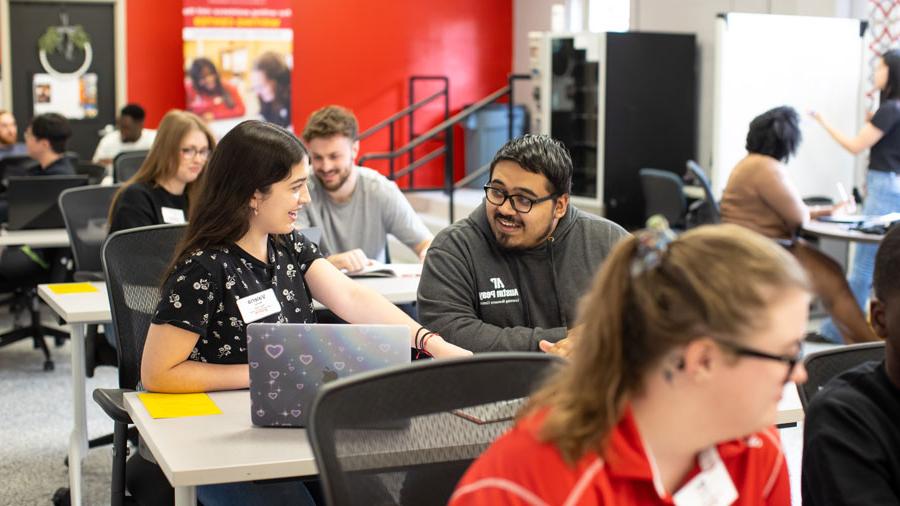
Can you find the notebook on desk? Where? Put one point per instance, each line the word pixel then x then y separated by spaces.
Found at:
pixel 289 363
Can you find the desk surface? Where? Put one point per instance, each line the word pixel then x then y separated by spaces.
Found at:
pixel 93 307
pixel 42 238
pixel 839 231
pixel 82 307
pixel 227 448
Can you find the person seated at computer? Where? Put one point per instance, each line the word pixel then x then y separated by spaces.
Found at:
pixel 130 135
pixel 241 243
pixel 208 96
pixel 9 136
pixel 356 207
pixel 508 277
pixel 760 196
pixel 851 436
pixel 160 190
pixel 45 142
pixel 672 390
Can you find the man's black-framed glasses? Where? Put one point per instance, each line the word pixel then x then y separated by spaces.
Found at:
pixel 743 351
pixel 520 203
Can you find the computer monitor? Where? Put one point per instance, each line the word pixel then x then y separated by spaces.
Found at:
pixel 33 201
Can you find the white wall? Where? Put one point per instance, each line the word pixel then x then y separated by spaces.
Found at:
pixel 676 16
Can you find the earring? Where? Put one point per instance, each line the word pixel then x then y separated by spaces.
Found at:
pixel 255 211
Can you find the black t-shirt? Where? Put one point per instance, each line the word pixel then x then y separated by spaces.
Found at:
pixel 885 154
pixel 201 294
pixel 143 204
pixel 851 441
pixel 60 167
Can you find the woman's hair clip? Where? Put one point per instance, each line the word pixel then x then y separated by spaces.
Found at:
pixel 653 242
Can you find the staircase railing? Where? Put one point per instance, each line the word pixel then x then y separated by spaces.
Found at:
pixel 443 131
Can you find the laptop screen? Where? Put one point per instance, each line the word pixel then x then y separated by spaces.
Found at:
pixel 33 201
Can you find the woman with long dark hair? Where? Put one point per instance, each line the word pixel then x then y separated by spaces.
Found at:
pixel 160 191
pixel 208 96
pixel 241 242
pixel 672 391
pixel 881 136
pixel 760 196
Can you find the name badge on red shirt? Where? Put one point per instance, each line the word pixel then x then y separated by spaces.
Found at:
pixel 712 487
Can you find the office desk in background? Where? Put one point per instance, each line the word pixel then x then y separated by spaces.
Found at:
pixel 839 231
pixel 41 238
pixel 78 310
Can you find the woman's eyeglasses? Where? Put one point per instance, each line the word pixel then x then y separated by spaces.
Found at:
pixel 743 351
pixel 192 152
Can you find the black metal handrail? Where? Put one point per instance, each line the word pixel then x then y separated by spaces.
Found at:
pixel 444 129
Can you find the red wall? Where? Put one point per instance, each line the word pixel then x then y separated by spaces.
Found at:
pixel 357 53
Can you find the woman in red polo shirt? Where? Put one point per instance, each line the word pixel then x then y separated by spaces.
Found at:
pixel 673 387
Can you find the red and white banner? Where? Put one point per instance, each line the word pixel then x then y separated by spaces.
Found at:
pixel 238 56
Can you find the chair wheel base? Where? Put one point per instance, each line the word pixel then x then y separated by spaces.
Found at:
pixel 62 497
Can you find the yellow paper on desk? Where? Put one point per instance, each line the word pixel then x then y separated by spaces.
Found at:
pixel 66 288
pixel 178 405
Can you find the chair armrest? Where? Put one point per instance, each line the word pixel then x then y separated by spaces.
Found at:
pixel 112 401
pixel 88 276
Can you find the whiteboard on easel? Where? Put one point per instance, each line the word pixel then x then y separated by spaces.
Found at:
pixel 765 61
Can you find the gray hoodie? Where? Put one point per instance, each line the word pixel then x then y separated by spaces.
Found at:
pixel 485 298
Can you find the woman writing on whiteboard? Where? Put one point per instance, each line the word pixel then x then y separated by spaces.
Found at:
pixel 881 135
pixel 760 196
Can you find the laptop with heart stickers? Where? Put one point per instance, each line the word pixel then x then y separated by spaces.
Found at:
pixel 290 362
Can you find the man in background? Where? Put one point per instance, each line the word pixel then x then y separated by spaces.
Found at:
pixel 129 136
pixel 45 141
pixel 9 133
pixel 355 207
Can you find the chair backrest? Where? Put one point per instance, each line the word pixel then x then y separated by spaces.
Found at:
pixel 126 164
pixel 391 437
pixel 84 212
pixel 824 365
pixel 93 171
pixel 663 194
pixel 134 263
pixel 698 175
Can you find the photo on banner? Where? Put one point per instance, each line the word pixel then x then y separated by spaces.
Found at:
pixel 237 61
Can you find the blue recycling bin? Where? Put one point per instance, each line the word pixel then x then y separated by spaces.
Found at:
pixel 485 132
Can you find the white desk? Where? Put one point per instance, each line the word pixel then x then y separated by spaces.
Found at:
pixel 790 411
pixel 81 309
pixel 41 238
pixel 222 448
pixel 839 231
pixel 192 451
pixel 78 310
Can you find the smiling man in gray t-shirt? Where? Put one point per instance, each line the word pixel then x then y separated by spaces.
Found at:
pixel 354 206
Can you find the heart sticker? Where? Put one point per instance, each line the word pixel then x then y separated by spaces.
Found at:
pixel 306 359
pixel 339 366
pixel 254 364
pixel 274 374
pixel 273 395
pixel 274 350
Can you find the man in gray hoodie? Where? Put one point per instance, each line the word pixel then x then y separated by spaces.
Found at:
pixel 510 275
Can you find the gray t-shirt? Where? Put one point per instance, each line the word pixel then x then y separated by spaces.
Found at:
pixel 376 208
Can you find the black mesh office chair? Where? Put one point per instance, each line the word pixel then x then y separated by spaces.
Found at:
pixel 126 164
pixel 664 194
pixel 824 365
pixel 706 211
pixel 390 437
pixel 84 212
pixel 94 172
pixel 133 274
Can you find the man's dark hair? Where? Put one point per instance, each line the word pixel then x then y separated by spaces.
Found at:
pixel 886 278
pixel 54 128
pixel 133 111
pixel 775 133
pixel 539 154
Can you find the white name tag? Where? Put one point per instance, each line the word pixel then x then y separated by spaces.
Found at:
pixel 172 216
pixel 259 305
pixel 712 487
